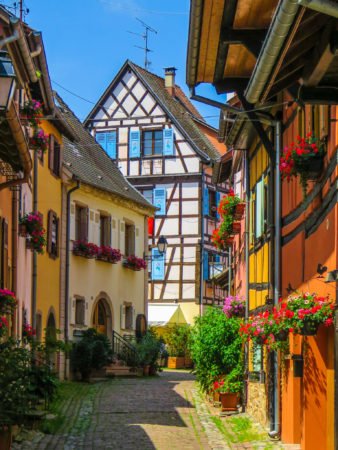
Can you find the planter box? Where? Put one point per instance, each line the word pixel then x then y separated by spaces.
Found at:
pixel 83 254
pixel 106 259
pixel 130 267
pixel 282 336
pixel 311 168
pixel 229 401
pixel 176 362
pixel 239 211
pixel 308 329
pixel 236 228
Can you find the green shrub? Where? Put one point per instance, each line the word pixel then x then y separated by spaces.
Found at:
pixel 215 346
pixel 93 351
pixel 176 339
pixel 148 349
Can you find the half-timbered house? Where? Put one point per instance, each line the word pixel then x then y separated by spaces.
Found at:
pixel 166 149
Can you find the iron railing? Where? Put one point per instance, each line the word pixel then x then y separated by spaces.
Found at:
pixel 124 349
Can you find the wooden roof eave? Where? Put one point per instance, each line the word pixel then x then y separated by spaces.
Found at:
pixel 195 27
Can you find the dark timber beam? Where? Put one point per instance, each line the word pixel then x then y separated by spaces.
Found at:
pixel 262 134
pixel 319 95
pixel 231 85
pixel 228 17
pixel 251 39
pixel 322 57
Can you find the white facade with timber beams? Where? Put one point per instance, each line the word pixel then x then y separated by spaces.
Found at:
pixel 165 148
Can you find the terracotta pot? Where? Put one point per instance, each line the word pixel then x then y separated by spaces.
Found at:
pixel 5 439
pixel 146 370
pixel 236 228
pixel 229 401
pixel 308 329
pixel 176 362
pixel 239 211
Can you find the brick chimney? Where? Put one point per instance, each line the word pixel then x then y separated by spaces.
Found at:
pixel 169 80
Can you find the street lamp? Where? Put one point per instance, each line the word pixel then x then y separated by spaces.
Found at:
pixel 7 81
pixel 162 244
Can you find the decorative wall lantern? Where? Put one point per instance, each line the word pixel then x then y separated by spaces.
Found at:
pixel 162 244
pixel 7 82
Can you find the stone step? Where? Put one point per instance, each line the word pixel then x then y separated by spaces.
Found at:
pixel 119 371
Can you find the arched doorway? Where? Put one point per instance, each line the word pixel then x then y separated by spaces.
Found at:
pixel 102 317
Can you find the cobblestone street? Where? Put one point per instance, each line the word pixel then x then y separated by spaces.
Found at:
pixel 164 413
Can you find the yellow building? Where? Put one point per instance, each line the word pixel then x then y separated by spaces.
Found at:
pixel 101 208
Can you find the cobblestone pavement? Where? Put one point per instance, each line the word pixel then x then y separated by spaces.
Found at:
pixel 163 413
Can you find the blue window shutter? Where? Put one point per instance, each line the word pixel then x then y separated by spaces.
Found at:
pixel 111 144
pixel 157 265
pixel 134 144
pixel 168 141
pixel 101 139
pixel 160 198
pixel 218 198
pixel 205 201
pixel 205 265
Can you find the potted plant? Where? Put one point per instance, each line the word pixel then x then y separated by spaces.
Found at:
pixel 176 339
pixel 236 228
pixel 134 263
pixel 230 390
pixel 39 140
pixel 85 249
pixel 108 254
pixel 234 306
pixel 304 158
pixel 148 350
pixel 35 234
pixel 239 211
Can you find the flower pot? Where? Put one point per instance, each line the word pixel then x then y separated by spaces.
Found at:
pixel 5 438
pixel 282 336
pixel 236 228
pixel 22 229
pixel 176 362
pixel 229 241
pixel 146 370
pixel 310 168
pixel 239 211
pixel 308 328
pixel 229 401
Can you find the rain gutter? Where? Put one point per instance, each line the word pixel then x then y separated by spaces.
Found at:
pixel 195 28
pixel 24 50
pixel 278 32
pixel 10 39
pixel 328 7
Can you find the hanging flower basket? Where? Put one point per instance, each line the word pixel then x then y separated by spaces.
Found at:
pixel 31 225
pixel 32 112
pixel 39 140
pixel 239 211
pixel 282 336
pixel 308 328
pixel 236 228
pixel 229 241
pixel 304 158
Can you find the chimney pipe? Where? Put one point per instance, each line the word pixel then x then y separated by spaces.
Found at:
pixel 169 80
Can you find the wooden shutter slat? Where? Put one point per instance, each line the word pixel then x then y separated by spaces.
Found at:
pixel 51 152
pixel 49 231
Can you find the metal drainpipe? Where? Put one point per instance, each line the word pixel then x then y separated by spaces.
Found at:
pixel 230 270
pixel 15 254
pixel 328 7
pixel 202 244
pixel 34 271
pixel 247 265
pixel 275 426
pixel 67 258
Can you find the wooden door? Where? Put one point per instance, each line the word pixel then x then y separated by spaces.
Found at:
pixel 100 318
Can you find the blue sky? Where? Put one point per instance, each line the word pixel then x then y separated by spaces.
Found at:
pixel 87 41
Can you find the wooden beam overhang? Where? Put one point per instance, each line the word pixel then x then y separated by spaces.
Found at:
pixel 319 95
pixel 222 52
pixel 251 39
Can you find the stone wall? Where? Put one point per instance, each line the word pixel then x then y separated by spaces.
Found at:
pixel 257 402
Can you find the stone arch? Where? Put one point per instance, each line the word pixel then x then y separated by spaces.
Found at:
pixel 103 302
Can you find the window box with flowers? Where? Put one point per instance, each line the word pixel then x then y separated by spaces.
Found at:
pixel 304 158
pixel 108 254
pixel 8 301
pixel 31 226
pixel 32 112
pixel 134 263
pixel 39 140
pixel 85 249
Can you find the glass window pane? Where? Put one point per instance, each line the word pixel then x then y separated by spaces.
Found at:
pixel 147 148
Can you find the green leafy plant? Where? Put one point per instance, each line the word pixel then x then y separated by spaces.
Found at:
pixel 93 351
pixel 215 346
pixel 148 349
pixel 177 339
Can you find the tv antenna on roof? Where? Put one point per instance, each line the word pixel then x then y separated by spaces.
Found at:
pixel 23 11
pixel 145 36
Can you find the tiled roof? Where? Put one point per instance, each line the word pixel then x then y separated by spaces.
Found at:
pixel 88 162
pixel 180 108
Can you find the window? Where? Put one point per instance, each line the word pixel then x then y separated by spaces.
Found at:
pixel 129 239
pixel 54 156
pixel 147 194
pixel 105 230
pixel 80 311
pixel 129 317
pixel 259 208
pixel 257 358
pixel 53 232
pixel 215 266
pixel 81 223
pixel 107 140
pixel 212 204
pixel 152 142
